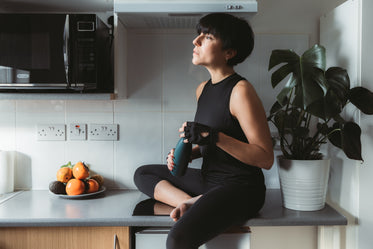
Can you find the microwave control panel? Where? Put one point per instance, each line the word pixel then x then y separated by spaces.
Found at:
pixel 82 28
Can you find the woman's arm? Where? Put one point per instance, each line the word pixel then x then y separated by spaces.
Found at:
pixel 247 108
pixel 200 89
pixel 196 153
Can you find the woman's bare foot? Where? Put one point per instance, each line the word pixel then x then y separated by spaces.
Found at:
pixel 182 208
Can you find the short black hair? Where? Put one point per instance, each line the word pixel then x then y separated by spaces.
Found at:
pixel 235 33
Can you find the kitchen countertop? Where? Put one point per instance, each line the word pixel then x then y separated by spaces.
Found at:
pixel 37 208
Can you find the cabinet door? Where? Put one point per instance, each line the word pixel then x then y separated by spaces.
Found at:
pixel 64 237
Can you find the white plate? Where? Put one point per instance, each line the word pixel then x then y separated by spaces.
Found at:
pixel 101 190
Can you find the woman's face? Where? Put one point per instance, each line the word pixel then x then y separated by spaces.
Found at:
pixel 208 51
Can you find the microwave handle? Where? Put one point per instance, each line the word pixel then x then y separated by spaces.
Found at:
pixel 66 48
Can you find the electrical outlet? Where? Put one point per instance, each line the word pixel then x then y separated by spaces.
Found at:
pixel 51 132
pixel 104 132
pixel 78 131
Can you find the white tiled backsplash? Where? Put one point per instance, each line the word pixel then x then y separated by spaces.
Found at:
pixel 161 95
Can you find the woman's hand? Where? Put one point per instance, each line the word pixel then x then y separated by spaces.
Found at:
pixel 181 130
pixel 170 160
pixel 197 133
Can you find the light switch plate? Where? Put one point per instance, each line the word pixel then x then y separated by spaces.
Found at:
pixel 77 131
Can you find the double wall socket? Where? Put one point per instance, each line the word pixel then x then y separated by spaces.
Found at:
pixel 51 132
pixel 104 132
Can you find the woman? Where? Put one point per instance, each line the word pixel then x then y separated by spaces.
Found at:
pixel 231 133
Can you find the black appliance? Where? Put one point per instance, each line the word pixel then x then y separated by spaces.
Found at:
pixel 56 53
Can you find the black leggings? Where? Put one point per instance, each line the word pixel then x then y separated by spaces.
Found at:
pixel 220 207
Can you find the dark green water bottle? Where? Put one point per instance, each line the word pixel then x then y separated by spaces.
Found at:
pixel 181 157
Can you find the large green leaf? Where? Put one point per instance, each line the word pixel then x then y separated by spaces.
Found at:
pixel 351 142
pixel 330 105
pixel 307 74
pixel 347 137
pixel 362 98
pixel 338 86
pixel 312 68
pixel 317 108
pixel 327 107
pixel 335 135
pixel 278 57
pixel 312 86
pixel 338 82
pixel 282 97
pixel 314 57
pixel 275 107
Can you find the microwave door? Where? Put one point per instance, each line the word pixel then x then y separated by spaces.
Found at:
pixel 66 56
pixel 32 48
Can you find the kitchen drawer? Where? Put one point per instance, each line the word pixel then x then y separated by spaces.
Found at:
pixel 64 237
pixel 155 238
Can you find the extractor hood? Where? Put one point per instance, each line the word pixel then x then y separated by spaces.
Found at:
pixel 177 13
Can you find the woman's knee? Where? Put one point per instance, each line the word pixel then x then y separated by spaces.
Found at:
pixel 147 176
pixel 139 173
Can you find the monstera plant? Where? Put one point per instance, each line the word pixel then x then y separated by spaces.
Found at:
pixel 311 93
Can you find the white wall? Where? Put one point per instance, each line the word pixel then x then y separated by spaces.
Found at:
pixel 366 170
pixel 351 184
pixel 292 16
pixel 340 36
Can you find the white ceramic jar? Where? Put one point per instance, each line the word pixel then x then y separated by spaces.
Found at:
pixel 6 172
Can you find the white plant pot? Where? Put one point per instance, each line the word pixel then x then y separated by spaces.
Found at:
pixel 303 183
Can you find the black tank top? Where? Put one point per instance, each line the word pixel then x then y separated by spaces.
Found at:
pixel 213 110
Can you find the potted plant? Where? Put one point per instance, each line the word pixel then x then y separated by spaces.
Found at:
pixel 307 114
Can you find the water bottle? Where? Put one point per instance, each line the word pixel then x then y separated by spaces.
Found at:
pixel 181 157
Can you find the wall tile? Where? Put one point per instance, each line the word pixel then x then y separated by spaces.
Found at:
pixel 250 67
pixel 79 106
pixel 7 125
pixel 89 118
pixel 7 106
pixel 144 78
pixel 38 106
pixel 140 143
pixel 181 77
pixel 37 161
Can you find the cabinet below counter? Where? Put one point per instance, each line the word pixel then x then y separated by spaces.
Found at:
pixel 40 208
pixel 64 237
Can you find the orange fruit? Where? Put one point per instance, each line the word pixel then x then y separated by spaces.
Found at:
pixel 93 186
pixel 75 187
pixel 64 174
pixel 80 171
pixel 98 178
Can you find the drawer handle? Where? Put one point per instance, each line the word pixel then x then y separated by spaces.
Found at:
pixel 115 241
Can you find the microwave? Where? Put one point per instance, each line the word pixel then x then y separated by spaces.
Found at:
pixel 56 53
